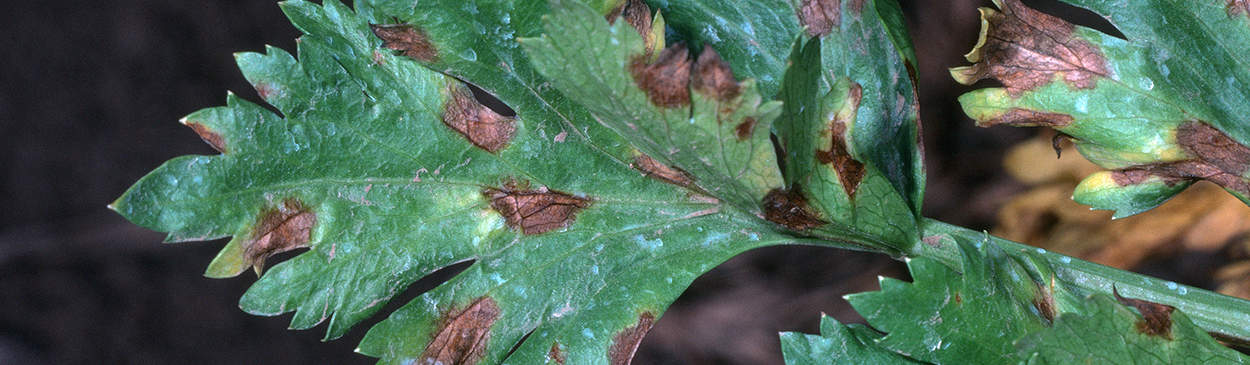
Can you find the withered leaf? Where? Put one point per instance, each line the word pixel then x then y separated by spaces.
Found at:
pixel 410 40
pixel 1025 49
pixel 535 211
pixel 626 342
pixel 790 210
pixel 667 80
pixel 463 335
pixel 479 124
pixel 1156 318
pixel 283 228
pixel 820 16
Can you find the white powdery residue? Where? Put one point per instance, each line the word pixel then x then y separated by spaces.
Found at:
pixel 711 34
pixel 649 244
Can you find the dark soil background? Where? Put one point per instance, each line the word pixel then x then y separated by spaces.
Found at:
pixel 92 94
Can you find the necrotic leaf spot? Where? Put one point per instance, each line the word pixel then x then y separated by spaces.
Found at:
pixel 850 171
pixel 463 335
pixel 555 354
pixel 713 77
pixel 667 81
pixel 476 122
pixel 626 342
pixel 280 229
pixel 534 211
pixel 655 169
pixel 1025 49
pixel 789 209
pixel 820 16
pixel 410 40
pixel 212 138
pixel 1156 318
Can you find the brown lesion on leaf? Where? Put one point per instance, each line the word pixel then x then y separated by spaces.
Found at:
pixel 670 174
pixel 667 80
pixel 820 16
pixel 850 171
pixel 1169 173
pixel 744 129
pixel 555 354
pixel 479 124
pixel 1156 318
pixel 712 77
pixel 637 14
pixel 1026 49
pixel 463 334
pixel 1216 157
pixel 1213 146
pixel 625 344
pixel 1238 8
pixel 410 40
pixel 789 209
pixel 1018 117
pixel 1045 301
pixel 209 136
pixel 285 227
pixel 534 211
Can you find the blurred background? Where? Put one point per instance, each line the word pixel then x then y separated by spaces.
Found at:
pixel 93 91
